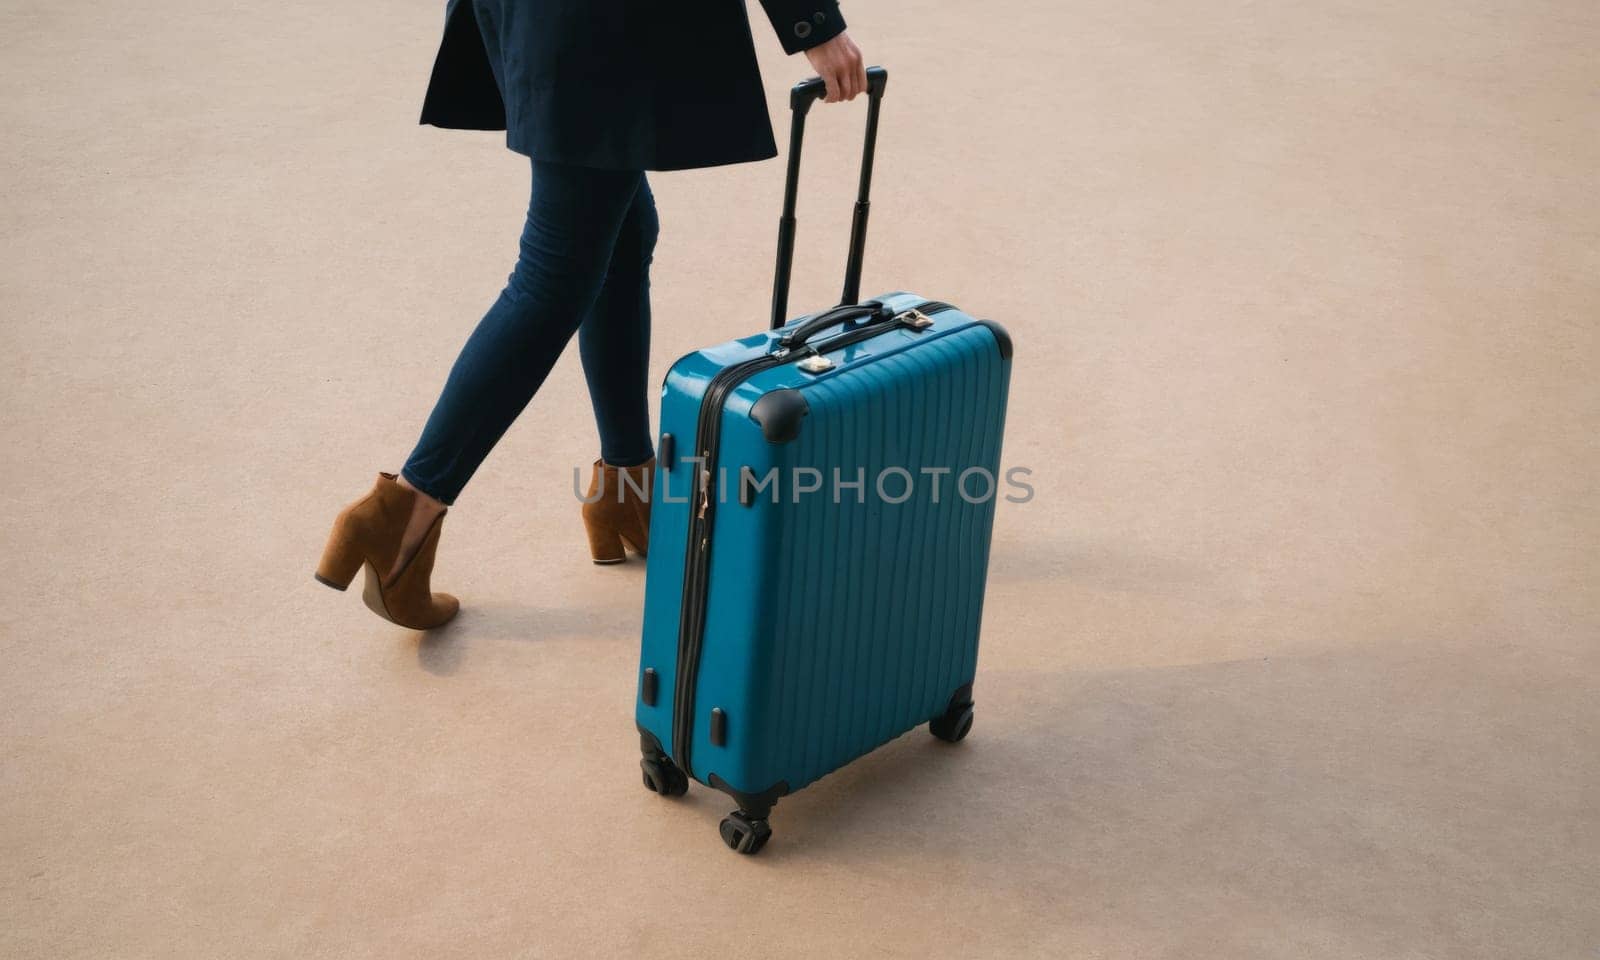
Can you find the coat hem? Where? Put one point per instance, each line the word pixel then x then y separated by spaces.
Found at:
pixel 601 162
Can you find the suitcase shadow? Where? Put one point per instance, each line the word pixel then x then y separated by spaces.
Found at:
pixel 934 805
pixel 1169 784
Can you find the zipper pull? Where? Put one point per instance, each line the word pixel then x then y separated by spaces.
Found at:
pixel 705 487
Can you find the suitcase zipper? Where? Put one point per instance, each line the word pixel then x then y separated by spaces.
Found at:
pixel 697 559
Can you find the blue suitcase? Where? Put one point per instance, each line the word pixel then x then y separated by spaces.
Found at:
pixel 819 534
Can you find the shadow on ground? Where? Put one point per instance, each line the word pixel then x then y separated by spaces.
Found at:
pixel 1315 788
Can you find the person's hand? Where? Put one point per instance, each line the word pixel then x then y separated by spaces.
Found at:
pixel 838 62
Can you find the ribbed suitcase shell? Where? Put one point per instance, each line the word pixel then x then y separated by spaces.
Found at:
pixel 831 627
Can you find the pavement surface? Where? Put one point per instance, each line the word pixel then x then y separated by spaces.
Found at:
pixel 1296 653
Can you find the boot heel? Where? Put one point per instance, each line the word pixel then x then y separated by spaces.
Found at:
pixel 633 544
pixel 341 559
pixel 605 544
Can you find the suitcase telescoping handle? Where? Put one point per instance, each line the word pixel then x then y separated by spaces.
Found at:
pixel 801 97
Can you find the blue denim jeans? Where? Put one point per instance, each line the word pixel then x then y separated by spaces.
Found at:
pixel 584 268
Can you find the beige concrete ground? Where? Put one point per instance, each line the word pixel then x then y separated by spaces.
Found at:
pixel 1295 654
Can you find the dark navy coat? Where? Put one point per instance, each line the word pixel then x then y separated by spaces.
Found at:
pixel 620 84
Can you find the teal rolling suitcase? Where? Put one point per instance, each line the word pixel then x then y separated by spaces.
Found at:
pixel 819 535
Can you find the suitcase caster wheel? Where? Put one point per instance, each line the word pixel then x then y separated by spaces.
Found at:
pixel 954 724
pixel 664 777
pixel 744 833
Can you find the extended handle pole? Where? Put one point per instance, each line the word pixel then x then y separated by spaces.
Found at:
pixel 791 187
pixel 858 222
pixel 801 97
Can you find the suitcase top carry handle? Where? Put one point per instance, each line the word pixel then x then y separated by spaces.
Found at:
pixel 842 314
pixel 801 97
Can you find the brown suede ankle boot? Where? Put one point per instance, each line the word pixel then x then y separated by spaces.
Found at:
pixel 616 513
pixel 367 534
